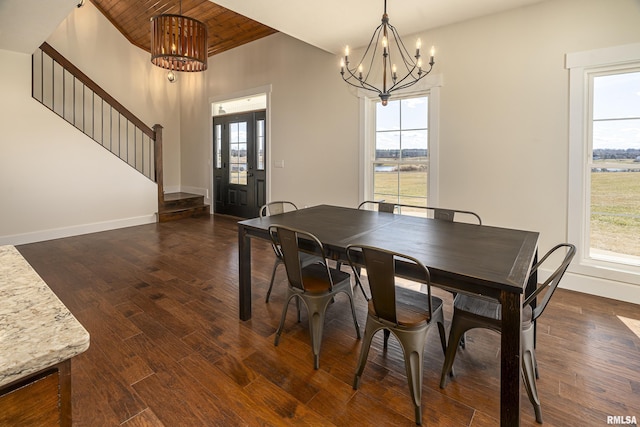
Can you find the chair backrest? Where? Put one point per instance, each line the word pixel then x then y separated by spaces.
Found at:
pixel 456 215
pixel 288 241
pixel 548 287
pixel 277 207
pixel 450 215
pixel 380 206
pixel 381 273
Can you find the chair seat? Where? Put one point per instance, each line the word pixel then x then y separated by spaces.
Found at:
pixel 412 307
pixel 488 308
pixel 314 277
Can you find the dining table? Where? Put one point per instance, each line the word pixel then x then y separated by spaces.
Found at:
pixel 477 259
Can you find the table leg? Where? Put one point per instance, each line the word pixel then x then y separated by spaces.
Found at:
pixel 511 359
pixel 244 273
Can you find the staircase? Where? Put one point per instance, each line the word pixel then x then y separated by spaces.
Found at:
pixel 182 205
pixel 67 91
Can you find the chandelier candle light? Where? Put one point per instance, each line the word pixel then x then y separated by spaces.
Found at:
pixel 414 69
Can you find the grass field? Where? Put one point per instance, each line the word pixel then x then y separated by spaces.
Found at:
pixel 615 205
pixel 615 212
pixel 411 185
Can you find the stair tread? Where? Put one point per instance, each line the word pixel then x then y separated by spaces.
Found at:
pixel 182 209
pixel 182 205
pixel 170 197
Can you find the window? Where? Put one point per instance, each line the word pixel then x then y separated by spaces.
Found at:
pixel 238 153
pixel 218 146
pixel 260 146
pixel 604 169
pixel 399 145
pixel 614 166
pixel 401 157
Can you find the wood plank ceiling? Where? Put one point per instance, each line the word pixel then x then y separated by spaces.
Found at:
pixel 227 29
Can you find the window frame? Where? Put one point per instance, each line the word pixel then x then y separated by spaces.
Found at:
pixel 583 66
pixel 430 87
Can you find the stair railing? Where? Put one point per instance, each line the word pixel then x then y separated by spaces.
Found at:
pixel 64 89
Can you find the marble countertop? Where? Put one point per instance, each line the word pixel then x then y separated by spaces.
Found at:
pixel 36 329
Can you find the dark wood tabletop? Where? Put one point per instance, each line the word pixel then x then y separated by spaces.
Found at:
pixel 492 257
pixel 480 259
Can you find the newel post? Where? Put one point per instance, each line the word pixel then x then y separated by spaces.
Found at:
pixel 157 129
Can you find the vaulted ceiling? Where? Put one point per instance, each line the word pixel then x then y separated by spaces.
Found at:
pixel 326 24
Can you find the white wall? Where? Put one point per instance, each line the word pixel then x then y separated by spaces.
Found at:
pixel 313 119
pixel 504 120
pixel 504 114
pixel 55 181
pixel 504 129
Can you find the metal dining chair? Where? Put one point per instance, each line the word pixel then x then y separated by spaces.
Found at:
pixel 275 208
pixel 315 285
pixel 403 312
pixel 475 312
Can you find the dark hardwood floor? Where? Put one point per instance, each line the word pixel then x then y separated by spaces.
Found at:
pixel 167 347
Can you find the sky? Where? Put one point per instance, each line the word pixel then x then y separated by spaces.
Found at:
pixel 411 114
pixel 616 111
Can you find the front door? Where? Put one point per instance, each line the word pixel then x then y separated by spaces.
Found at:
pixel 239 163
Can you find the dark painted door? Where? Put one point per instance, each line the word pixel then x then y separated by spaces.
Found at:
pixel 239 163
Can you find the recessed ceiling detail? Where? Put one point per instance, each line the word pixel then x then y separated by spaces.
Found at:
pixel 227 29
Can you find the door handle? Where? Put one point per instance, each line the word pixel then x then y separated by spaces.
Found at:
pixel 250 174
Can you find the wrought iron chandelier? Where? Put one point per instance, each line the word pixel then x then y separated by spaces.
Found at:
pixel 178 43
pixel 386 38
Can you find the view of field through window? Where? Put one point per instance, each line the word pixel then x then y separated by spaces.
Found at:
pixel 401 161
pixel 238 153
pixel 615 168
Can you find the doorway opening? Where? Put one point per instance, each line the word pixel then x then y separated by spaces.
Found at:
pixel 240 156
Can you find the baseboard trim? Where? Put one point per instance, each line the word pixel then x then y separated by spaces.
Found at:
pixel 76 230
pixel 621 291
pixel 194 190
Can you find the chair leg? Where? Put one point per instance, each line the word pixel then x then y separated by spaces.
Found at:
pixel 457 331
pixel 443 335
pixel 316 307
pixel 316 326
pixel 529 372
pixel 353 312
pixel 463 340
pixel 413 347
pixel 283 318
pixel 273 277
pixel 386 333
pixel 369 331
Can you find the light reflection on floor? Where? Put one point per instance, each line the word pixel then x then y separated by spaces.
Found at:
pixel 632 324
